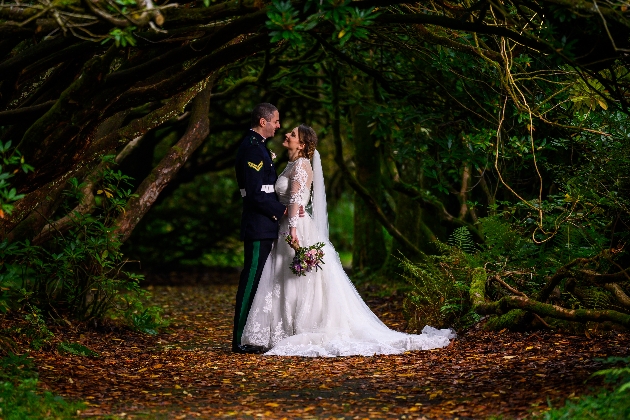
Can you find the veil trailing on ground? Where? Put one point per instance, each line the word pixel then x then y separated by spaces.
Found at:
pixel 320 212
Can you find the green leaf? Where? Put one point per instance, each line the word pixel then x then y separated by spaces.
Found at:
pixel 76 349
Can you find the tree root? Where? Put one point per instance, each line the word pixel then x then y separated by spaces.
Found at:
pixel 508 303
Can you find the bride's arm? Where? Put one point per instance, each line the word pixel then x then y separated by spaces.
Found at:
pixel 299 180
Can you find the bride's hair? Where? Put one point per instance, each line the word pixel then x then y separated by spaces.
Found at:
pixel 307 137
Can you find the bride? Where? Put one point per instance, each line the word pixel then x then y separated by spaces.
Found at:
pixel 320 314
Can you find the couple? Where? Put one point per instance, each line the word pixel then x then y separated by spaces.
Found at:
pixel 277 312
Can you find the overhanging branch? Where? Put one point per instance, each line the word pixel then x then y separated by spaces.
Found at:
pixel 149 190
pixel 461 25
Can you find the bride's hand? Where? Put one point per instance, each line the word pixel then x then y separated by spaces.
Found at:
pixel 295 242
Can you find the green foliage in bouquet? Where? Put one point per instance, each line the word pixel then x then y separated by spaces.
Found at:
pixel 306 258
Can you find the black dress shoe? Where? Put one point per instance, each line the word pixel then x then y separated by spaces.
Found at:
pixel 248 349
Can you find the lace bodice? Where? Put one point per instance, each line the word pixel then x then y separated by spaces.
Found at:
pixel 294 187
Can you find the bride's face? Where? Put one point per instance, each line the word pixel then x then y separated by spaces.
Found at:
pixel 292 140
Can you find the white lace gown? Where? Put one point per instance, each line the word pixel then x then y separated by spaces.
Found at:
pixel 320 314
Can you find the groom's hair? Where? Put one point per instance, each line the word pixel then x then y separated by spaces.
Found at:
pixel 264 110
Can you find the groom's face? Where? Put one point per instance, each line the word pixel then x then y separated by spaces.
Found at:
pixel 269 127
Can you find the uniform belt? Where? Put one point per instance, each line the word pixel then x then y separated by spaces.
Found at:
pixel 265 188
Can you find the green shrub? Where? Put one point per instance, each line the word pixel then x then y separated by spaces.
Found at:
pixel 606 404
pixel 20 399
pixel 198 224
pixel 146 320
pixel 79 274
pixel 37 330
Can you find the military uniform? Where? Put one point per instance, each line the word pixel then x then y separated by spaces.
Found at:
pixel 256 178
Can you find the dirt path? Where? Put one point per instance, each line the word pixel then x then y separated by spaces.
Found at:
pixel 189 372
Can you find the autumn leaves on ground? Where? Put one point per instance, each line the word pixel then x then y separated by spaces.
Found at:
pixel 189 372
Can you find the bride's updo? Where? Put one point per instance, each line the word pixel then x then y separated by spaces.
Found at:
pixel 308 138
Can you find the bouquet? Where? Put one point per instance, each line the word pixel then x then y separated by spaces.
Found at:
pixel 306 258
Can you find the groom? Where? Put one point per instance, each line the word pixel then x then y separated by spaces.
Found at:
pixel 256 177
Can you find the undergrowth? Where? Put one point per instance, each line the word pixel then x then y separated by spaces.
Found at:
pixel 606 404
pixel 20 399
pixel 79 274
pixel 515 263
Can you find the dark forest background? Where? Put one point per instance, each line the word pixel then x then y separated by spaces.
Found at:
pixel 476 152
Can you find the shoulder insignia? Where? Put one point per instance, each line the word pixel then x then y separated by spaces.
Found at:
pixel 254 166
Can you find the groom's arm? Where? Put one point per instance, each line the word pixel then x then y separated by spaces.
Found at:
pixel 263 202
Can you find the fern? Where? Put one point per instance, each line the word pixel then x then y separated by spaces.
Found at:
pixel 503 242
pixel 462 238
pixel 621 374
pixel 573 242
pixel 440 289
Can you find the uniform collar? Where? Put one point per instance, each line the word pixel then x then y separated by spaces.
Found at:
pixel 258 134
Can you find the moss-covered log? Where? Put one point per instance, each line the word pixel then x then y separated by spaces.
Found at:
pixel 508 303
pixel 619 294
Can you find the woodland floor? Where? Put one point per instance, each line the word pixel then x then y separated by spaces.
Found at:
pixel 189 372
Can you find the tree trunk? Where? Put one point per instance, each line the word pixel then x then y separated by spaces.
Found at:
pixel 368 250
pixel 411 218
pixel 358 188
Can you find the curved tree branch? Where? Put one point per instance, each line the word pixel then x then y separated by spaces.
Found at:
pixel 165 171
pixel 9 117
pixel 461 25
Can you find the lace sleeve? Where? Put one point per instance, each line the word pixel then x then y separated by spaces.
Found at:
pixel 300 177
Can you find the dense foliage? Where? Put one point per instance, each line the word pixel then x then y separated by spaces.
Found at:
pixel 498 129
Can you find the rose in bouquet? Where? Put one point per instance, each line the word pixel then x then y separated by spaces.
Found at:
pixel 306 258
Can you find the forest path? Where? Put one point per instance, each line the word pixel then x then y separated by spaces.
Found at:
pixel 189 371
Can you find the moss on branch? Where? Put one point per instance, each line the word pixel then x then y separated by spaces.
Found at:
pixel 509 303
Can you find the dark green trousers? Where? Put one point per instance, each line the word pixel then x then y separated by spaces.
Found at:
pixel 256 253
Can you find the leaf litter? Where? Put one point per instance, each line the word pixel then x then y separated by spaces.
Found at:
pixel 189 372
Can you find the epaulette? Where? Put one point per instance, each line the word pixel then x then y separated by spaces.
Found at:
pixel 254 140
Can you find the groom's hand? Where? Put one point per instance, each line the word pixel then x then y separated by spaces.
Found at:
pixel 301 212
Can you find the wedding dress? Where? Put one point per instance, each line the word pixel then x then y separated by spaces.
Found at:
pixel 320 314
